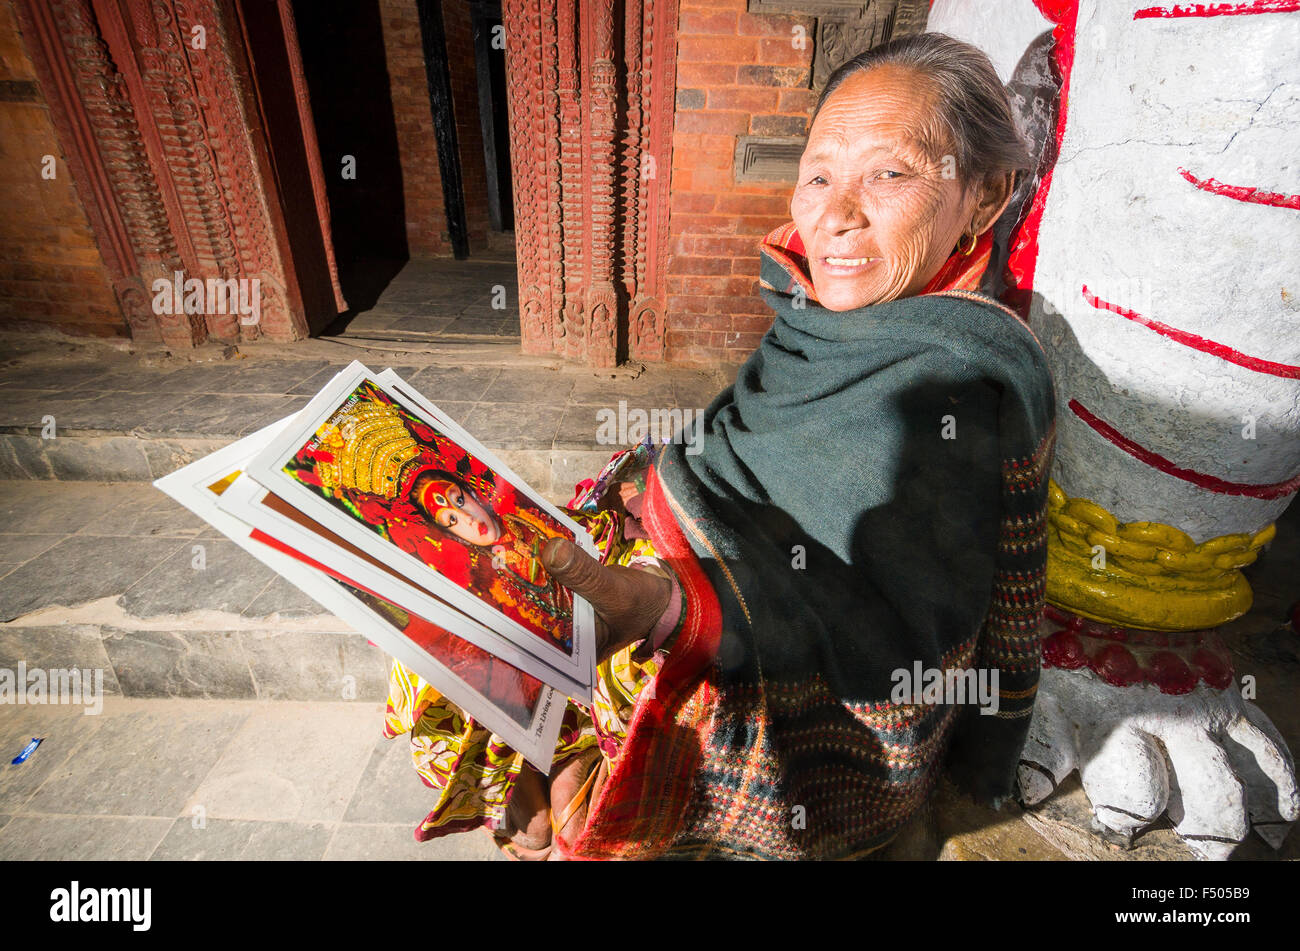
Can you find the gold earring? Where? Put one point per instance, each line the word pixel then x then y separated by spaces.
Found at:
pixel 974 240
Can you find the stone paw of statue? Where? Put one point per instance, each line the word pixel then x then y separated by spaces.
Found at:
pixel 1213 761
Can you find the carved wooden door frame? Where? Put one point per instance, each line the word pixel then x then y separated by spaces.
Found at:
pixel 591 92
pixel 156 108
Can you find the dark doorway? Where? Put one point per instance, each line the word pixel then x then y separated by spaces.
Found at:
pixel 342 46
pixel 361 103
pixel 289 149
pixel 489 36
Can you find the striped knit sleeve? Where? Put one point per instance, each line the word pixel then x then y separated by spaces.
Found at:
pixel 986 747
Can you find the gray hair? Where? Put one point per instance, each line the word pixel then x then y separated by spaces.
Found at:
pixel 973 108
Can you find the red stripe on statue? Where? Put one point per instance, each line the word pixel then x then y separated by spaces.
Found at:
pixel 1241 192
pixel 1218 9
pixel 1222 351
pixel 1273 490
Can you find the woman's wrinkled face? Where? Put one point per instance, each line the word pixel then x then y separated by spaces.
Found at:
pixel 877 205
pixel 465 518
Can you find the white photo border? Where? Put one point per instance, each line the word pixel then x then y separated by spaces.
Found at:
pixel 244 501
pixel 189 486
pixel 268 469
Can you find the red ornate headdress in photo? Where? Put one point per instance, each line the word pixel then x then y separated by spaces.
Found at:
pixel 396 472
pixel 372 448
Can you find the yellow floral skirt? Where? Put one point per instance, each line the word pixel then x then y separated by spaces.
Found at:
pixel 472 770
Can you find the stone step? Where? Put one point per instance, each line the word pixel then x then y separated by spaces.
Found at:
pixel 97 567
pixel 118 578
pixel 80 414
pixel 81 456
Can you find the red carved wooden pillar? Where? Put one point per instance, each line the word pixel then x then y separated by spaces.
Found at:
pixel 93 118
pixel 572 323
pixel 535 168
pixel 591 91
pixel 630 157
pixel 653 161
pixel 155 106
pixel 601 301
pixel 551 232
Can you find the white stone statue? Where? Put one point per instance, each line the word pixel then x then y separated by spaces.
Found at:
pixel 1161 269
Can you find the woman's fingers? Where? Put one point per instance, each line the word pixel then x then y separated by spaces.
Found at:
pixel 629 600
pixel 631 496
pixel 575 569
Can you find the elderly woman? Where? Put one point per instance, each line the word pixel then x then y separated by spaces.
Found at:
pixel 868 505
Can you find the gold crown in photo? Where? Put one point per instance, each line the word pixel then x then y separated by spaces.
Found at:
pixel 370 445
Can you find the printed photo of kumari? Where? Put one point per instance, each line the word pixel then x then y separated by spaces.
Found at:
pixel 416 487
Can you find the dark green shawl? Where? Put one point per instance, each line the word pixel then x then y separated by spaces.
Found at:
pixel 914 548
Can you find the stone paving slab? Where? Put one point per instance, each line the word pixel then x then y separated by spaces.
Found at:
pixel 385 794
pixel 477 326
pixel 290 762
pixel 548 388
pixel 460 384
pixel 232 415
pixel 113 458
pixel 196 839
pixel 16 549
pixel 121 411
pixel 75 571
pixel 142 510
pixel 243 377
pixel 355 843
pixel 66 374
pixel 310 665
pixel 525 425
pixel 63 508
pixel 198 665
pixel 215 780
pixel 576 425
pixel 208 575
pixel 144 762
pixel 281 601
pixel 64 729
pixel 58 646
pixel 81 838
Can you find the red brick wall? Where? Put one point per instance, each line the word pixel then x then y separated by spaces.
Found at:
pixel 737 74
pixel 469 133
pixel 426 216
pixel 51 272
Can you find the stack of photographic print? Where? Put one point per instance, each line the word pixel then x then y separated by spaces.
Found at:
pixel 396 520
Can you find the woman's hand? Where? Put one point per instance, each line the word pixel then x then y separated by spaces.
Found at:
pixel 616 497
pixel 628 601
pixel 628 494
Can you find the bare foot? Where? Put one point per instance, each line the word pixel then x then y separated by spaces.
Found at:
pixel 529 812
pixel 571 794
